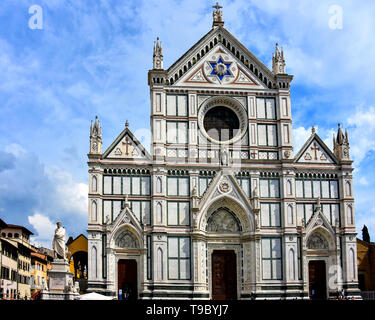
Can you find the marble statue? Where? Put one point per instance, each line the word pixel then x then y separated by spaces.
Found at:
pixel 58 243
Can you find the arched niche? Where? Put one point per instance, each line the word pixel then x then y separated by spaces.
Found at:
pixel 126 239
pixel 223 220
pixel 244 216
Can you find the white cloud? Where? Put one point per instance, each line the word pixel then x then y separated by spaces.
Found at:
pixel 361 132
pixel 71 196
pixel 45 230
pixel 15 149
pixel 363 181
pixel 300 136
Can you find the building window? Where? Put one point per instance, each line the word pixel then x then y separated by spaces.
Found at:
pixel 130 185
pixel 149 258
pixel 177 132
pixel 104 256
pixel 179 258
pixel 177 105
pixel 178 186
pixel 245 186
pixel 267 135
pixel 299 258
pixel 269 188
pixel 330 210
pixel 271 259
pixel 325 189
pixel 141 209
pixel 203 184
pixel 178 213
pixel 266 108
pixel 270 214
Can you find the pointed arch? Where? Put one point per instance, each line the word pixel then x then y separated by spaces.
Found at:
pixel 317 241
pixel 94 262
pixel 290 216
pixel 94 211
pixel 348 188
pixel 242 213
pixel 159 212
pixel 292 270
pixel 159 265
pixel 289 187
pixel 351 262
pixel 349 215
pixel 159 185
pixel 94 184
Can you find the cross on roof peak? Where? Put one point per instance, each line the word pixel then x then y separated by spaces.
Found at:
pixel 218 15
pixel 217 6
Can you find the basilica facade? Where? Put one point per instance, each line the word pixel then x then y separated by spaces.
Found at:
pixel 221 207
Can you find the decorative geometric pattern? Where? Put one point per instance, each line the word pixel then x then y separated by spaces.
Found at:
pixel 221 68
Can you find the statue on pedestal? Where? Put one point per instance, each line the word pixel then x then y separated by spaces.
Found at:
pixel 58 243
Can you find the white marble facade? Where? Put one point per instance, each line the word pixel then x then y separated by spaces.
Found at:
pixel 196 194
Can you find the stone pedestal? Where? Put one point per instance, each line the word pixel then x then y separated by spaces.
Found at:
pixel 61 283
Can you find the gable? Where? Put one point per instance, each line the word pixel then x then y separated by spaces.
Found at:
pixel 315 151
pixel 220 67
pixel 126 146
pixel 198 63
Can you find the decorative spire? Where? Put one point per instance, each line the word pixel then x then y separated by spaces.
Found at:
pixel 313 131
pixel 341 144
pixel 217 16
pixel 158 54
pixel 278 61
pixel 95 137
pixel 127 124
pixel 340 135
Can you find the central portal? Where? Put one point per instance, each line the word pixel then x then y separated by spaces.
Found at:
pixel 317 280
pixel 127 280
pixel 224 275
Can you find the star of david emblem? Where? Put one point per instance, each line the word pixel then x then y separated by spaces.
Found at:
pixel 220 68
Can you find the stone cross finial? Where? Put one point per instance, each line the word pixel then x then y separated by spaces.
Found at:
pixel 217 15
pixel 313 130
pixel 127 124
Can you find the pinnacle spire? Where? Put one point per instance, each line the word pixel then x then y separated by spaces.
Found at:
pixel 158 54
pixel 278 61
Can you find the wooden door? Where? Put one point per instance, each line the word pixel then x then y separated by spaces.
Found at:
pixel 317 280
pixel 224 275
pixel 127 279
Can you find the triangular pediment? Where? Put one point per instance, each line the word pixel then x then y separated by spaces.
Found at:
pixel 224 184
pixel 224 192
pixel 220 59
pixel 126 218
pixel 315 151
pixel 319 222
pixel 126 146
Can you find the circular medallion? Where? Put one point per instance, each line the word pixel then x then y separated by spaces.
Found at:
pixel 224 186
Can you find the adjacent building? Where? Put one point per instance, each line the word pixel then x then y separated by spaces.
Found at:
pixel 222 207
pixel 17 250
pixel 77 258
pixel 38 273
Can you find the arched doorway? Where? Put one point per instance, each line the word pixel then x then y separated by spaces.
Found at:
pixel 317 280
pixel 127 280
pixel 224 275
pixel 318 255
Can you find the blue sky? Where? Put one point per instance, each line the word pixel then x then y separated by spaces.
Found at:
pixel 92 57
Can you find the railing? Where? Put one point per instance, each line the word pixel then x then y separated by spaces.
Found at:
pixel 368 295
